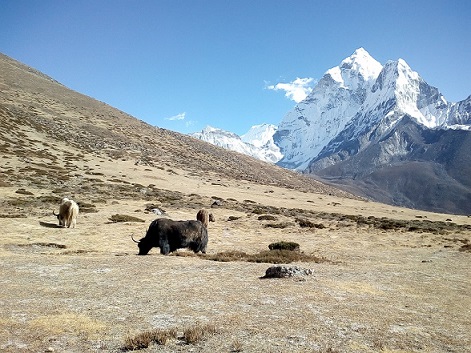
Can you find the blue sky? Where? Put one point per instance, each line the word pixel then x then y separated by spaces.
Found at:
pixel 185 64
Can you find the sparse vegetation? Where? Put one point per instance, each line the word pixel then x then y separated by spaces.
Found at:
pixel 269 256
pixel 46 245
pixel 284 245
pixel 198 332
pixel 305 223
pixel 146 338
pixel 281 225
pixel 124 218
pixel 191 335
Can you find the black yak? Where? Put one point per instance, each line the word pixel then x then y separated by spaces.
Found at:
pixel 171 235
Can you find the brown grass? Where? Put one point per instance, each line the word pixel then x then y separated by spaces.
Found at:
pixel 191 335
pixel 198 332
pixel 269 256
pixel 146 338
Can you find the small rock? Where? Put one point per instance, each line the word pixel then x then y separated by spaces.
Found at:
pixel 156 211
pixel 286 271
pixel 217 203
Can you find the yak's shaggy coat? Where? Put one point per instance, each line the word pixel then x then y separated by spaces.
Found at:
pixel 68 212
pixel 169 235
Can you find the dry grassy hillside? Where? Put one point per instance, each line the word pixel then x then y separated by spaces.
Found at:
pixel 37 113
pixel 384 279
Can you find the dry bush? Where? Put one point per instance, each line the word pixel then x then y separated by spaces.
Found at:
pixel 305 223
pixel 145 339
pixel 142 340
pixel 194 334
pixel 124 218
pixel 284 245
pixel 191 335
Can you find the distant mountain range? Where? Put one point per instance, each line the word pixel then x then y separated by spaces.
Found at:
pixel 381 132
pixel 257 142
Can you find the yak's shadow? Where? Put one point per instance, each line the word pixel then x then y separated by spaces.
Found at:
pixel 49 225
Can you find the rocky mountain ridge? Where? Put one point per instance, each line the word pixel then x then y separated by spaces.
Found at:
pixel 400 123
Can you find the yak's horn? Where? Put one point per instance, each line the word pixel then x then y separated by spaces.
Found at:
pixel 134 239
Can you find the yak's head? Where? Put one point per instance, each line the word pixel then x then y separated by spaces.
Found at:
pixel 144 245
pixel 60 217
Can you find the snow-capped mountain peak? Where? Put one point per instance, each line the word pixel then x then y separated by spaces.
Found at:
pixel 259 135
pixel 333 102
pixel 363 63
pixel 257 142
pixel 355 69
pixel 355 97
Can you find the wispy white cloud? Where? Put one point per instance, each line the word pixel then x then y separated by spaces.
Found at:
pixel 296 90
pixel 180 116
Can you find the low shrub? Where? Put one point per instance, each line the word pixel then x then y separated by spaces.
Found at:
pixel 284 245
pixel 145 339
